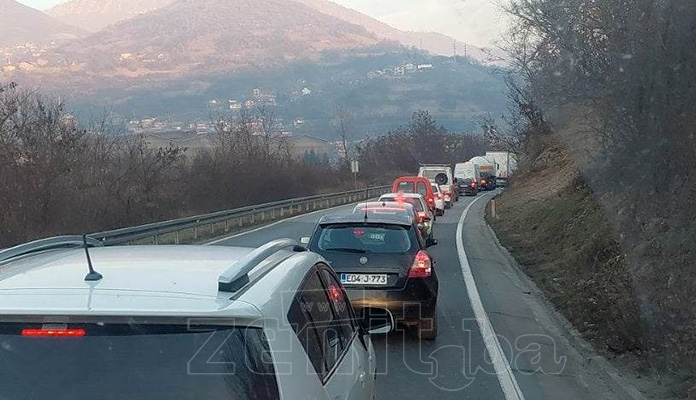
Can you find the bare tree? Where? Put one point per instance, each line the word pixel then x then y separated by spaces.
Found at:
pixel 343 123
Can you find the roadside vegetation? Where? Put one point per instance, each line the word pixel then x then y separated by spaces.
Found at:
pixel 64 176
pixel 601 211
pixel 60 176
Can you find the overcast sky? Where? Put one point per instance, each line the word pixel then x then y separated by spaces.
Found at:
pixel 474 21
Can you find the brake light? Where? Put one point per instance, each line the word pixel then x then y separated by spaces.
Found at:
pixel 483 181
pixel 335 293
pixel 447 197
pixel 59 333
pixel 421 267
pixel 431 200
pixel 358 232
pixel 421 216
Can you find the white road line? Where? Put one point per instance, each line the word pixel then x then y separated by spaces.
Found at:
pixel 500 363
pixel 274 224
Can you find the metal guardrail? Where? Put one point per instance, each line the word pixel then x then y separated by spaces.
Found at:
pixel 196 228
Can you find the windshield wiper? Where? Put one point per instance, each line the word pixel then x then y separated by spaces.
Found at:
pixel 347 250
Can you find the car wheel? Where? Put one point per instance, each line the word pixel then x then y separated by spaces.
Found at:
pixel 427 328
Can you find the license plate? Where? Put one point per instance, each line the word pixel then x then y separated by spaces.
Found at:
pixel 364 279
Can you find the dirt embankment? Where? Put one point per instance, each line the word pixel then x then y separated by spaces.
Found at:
pixel 562 234
pixel 551 223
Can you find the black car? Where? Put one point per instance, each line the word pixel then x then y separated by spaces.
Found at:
pixel 383 264
pixel 468 187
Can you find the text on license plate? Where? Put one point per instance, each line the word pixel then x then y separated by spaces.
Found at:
pixel 364 279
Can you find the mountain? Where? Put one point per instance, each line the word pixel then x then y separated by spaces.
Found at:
pixel 433 42
pixel 217 36
pixel 20 23
pixel 95 15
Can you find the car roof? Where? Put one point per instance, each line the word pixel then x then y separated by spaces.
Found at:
pixel 384 204
pixel 411 178
pixel 137 280
pixel 404 195
pixel 392 219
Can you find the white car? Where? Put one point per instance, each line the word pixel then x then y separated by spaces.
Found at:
pixel 439 199
pixel 426 219
pixel 179 322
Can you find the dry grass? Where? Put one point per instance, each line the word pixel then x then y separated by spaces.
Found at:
pixel 555 228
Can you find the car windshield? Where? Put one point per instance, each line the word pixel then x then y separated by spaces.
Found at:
pixel 136 362
pixel 553 140
pixel 379 239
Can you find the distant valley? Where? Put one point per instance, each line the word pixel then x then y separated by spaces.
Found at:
pixel 188 60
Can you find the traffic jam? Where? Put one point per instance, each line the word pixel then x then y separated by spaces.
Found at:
pixel 380 250
pixel 191 322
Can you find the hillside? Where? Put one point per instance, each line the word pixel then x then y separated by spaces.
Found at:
pixel 215 36
pixel 20 23
pixel 95 15
pixel 433 42
pixel 457 94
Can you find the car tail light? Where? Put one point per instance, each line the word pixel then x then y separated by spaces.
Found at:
pixel 431 200
pixel 483 181
pixel 421 267
pixel 59 333
pixel 421 217
pixel 335 293
pixel 447 197
pixel 473 185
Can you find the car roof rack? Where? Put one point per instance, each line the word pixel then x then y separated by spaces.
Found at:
pixel 47 244
pixel 237 276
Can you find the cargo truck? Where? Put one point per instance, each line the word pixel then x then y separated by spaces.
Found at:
pixel 505 165
pixel 487 172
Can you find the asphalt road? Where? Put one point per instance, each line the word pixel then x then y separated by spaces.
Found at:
pixel 542 359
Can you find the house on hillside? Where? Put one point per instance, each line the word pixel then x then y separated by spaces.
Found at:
pixel 306 91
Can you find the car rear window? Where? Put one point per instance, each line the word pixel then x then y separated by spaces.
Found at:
pixel 417 205
pixel 136 362
pixel 380 239
pixel 406 187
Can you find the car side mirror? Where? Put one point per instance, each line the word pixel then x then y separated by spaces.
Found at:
pixel 431 242
pixel 304 240
pixel 377 321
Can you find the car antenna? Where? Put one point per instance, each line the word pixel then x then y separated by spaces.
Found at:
pixel 367 195
pixel 92 276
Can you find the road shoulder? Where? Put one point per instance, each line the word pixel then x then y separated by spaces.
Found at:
pixel 549 358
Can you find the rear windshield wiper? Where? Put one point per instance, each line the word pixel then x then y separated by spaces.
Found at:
pixel 347 250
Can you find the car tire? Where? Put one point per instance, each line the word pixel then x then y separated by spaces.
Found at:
pixel 427 328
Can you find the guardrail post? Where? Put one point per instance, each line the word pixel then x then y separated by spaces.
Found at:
pixel 156 239
pixel 195 233
pixel 176 237
pixel 227 225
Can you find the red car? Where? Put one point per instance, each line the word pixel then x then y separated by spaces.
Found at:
pixel 416 184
